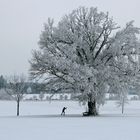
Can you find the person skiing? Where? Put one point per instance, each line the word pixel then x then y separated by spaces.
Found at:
pixel 63 111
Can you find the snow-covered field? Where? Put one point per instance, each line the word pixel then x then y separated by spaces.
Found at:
pixel 42 121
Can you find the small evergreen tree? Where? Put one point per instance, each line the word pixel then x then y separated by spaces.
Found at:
pixel 2 82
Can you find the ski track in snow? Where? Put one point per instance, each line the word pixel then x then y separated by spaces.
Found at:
pixel 42 121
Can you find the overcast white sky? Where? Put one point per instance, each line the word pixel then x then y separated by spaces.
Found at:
pixel 21 22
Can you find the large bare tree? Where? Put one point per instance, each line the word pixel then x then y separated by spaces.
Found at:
pixel 87 51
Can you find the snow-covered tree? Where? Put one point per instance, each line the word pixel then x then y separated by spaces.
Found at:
pixel 122 101
pixel 87 51
pixel 16 88
pixel 123 92
pixel 41 96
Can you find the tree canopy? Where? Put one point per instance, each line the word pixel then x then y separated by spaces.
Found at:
pixel 89 52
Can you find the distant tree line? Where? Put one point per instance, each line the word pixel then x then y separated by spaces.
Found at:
pixel 2 82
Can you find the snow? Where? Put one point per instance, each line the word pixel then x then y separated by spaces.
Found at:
pixel 42 121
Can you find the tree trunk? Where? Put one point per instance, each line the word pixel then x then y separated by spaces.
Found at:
pixel 123 106
pixel 92 110
pixel 17 107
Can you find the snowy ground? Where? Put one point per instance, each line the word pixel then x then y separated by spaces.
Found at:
pixel 42 121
